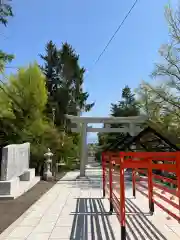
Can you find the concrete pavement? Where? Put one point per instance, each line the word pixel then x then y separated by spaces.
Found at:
pixel 75 210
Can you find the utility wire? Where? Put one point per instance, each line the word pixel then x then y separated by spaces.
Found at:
pixel 109 42
pixel 117 30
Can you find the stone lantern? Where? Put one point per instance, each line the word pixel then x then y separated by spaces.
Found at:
pixel 48 165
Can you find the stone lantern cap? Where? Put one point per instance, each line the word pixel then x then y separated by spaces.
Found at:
pixel 49 154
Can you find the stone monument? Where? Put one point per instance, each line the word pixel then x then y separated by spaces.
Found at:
pixel 15 160
pixel 15 171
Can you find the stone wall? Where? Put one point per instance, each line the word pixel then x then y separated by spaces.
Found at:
pixel 15 160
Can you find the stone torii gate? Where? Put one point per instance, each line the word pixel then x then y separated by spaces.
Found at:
pixel 131 125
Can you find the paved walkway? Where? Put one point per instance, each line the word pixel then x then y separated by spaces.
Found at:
pixel 76 210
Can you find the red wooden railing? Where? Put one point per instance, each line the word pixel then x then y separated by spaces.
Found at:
pixel 113 165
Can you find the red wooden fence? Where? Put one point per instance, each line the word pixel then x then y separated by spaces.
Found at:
pixel 142 163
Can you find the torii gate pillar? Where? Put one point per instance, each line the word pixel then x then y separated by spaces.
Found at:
pixel 83 151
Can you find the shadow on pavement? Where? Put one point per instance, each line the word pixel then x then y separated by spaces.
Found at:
pixel 140 227
pixel 91 221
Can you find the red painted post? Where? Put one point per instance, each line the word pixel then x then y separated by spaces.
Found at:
pixel 150 187
pixel 110 186
pixel 122 199
pixel 178 177
pixel 134 182
pixel 103 173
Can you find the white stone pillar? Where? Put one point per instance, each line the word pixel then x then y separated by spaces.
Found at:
pixel 132 129
pixel 83 154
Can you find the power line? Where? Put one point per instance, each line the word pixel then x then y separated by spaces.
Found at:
pixel 108 43
pixel 117 30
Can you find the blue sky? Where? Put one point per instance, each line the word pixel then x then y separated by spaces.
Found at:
pixel 87 26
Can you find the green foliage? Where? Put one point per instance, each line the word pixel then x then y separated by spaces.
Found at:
pixel 98 155
pixel 160 101
pixel 5 103
pixel 42 135
pixel 64 81
pixel 5 13
pixel 127 106
pixel 4 59
pixel 29 91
